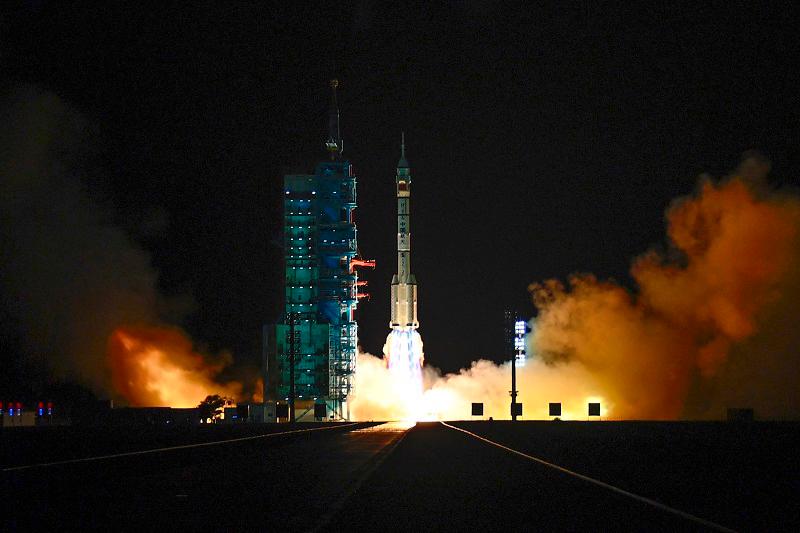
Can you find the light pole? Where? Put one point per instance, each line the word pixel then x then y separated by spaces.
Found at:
pixel 514 387
pixel 518 355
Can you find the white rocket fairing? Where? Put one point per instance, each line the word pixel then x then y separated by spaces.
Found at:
pixel 404 284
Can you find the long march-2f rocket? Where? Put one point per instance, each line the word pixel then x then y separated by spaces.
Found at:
pixel 404 284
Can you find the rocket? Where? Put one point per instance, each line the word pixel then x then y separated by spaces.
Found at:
pixel 404 284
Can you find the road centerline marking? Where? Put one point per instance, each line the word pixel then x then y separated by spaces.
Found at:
pixel 372 465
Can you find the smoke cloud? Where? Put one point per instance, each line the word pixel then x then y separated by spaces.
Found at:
pixel 709 325
pixel 70 277
pixel 158 366
pixel 733 260
pixel 378 396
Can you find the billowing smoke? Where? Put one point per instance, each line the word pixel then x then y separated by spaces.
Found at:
pixel 70 277
pixel 158 366
pixel 734 259
pixel 379 396
pixel 710 324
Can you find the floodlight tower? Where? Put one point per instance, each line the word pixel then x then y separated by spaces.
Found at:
pixel 515 347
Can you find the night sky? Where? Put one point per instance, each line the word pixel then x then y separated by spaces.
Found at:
pixel 543 139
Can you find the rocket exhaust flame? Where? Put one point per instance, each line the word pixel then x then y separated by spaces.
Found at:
pixel 403 354
pixel 699 334
pixel 403 358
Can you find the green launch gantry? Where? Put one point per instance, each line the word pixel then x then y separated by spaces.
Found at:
pixel 318 333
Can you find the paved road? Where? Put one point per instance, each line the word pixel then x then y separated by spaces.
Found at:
pixel 384 478
pixel 274 484
pixel 438 479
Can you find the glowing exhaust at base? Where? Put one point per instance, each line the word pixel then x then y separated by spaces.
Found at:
pixel 403 349
pixel 403 357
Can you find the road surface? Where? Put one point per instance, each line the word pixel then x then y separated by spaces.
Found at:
pixel 284 483
pixel 439 479
pixel 432 477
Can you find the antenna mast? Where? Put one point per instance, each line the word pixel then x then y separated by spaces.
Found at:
pixel 334 144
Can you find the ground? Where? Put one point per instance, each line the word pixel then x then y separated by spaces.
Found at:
pixel 431 477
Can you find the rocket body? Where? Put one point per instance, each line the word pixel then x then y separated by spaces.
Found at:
pixel 404 284
pixel 403 349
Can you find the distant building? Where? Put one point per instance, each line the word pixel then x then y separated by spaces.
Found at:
pixel 19 419
pixel 242 413
pixel 24 414
pixel 321 291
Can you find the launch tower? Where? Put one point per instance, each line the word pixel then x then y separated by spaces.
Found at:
pixel 312 352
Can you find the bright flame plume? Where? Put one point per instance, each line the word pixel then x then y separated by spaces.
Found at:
pixel 155 366
pixel 404 358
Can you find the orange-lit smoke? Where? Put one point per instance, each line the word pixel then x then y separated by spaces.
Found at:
pixel 378 396
pixel 735 248
pixel 672 347
pixel 156 366
pixel 258 391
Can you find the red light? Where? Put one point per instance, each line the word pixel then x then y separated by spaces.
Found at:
pixel 19 405
pixel 49 405
pixel 356 262
pixel 41 405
